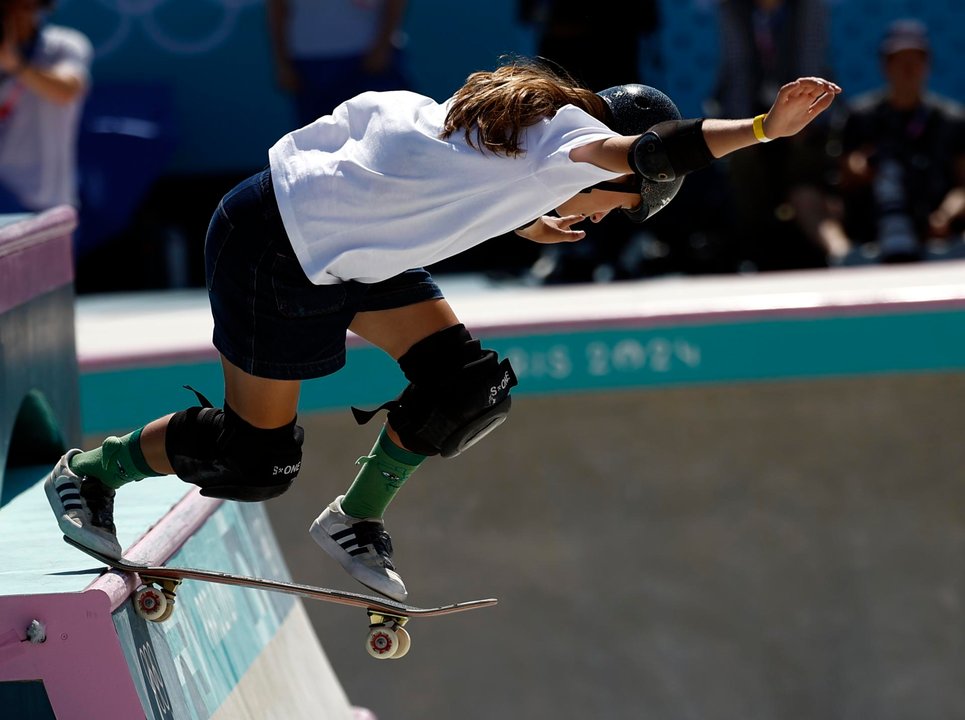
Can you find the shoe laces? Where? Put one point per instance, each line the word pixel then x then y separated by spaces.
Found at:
pixel 100 502
pixel 373 534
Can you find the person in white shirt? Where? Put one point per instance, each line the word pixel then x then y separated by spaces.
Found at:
pixel 333 237
pixel 44 76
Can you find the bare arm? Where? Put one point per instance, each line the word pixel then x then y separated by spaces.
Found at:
pixel 278 34
pixel 277 19
pixel 60 87
pixel 61 84
pixel 379 55
pixel 952 207
pixel 795 106
pixel 609 154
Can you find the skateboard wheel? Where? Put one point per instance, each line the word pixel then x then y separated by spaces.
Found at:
pixel 150 603
pixel 405 642
pixel 383 642
pixel 168 611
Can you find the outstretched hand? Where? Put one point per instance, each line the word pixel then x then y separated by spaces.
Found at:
pixel 550 229
pixel 797 104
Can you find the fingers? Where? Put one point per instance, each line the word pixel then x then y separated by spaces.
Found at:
pixel 568 221
pixel 554 236
pixel 822 103
pixel 565 234
pixel 825 93
pixel 807 97
pixel 813 87
pixel 816 83
pixel 570 236
pixel 551 230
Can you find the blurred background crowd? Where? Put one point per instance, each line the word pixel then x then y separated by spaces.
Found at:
pixel 142 113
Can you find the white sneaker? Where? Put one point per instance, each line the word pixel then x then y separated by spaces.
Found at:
pixel 84 508
pixel 362 547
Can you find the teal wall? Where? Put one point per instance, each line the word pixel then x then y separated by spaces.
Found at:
pixel 590 360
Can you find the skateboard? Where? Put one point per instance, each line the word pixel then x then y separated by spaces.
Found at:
pixel 387 638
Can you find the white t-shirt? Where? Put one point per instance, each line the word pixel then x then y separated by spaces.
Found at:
pixel 38 138
pixel 371 190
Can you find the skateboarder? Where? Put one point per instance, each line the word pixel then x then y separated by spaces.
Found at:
pixel 333 235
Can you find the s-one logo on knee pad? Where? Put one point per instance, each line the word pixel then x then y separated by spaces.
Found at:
pixel 286 470
pixel 503 385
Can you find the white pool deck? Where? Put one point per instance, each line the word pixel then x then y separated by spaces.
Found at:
pixel 117 330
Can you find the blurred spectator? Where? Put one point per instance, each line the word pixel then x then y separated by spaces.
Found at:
pixel 902 176
pixel 776 189
pixel 44 75
pixel 327 51
pixel 585 42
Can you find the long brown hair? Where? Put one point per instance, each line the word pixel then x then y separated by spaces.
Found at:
pixel 493 108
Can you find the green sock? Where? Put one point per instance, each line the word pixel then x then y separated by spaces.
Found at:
pixel 116 462
pixel 383 473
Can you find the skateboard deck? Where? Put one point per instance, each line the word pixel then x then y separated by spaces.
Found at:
pixel 154 600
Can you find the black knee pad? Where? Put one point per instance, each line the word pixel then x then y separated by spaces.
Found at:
pixel 457 394
pixel 228 458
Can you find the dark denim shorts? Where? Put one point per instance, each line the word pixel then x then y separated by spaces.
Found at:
pixel 269 318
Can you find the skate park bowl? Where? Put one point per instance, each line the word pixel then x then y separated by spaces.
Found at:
pixel 71 644
pixel 40 409
pixel 716 497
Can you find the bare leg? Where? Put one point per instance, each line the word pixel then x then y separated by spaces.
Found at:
pixel 262 402
pixel 81 486
pixel 267 403
pixel 354 519
pixel 397 330
pixel 152 445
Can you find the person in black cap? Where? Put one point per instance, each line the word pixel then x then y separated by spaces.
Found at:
pixel 902 180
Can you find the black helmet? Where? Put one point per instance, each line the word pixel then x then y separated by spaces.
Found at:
pixel 632 110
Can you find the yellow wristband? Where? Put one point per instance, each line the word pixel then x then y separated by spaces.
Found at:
pixel 759 129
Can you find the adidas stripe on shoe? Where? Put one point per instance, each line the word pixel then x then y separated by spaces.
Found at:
pixel 66 495
pixel 362 547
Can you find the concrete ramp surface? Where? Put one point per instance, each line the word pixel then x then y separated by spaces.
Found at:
pixel 746 515
pixel 715 498
pixel 765 550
